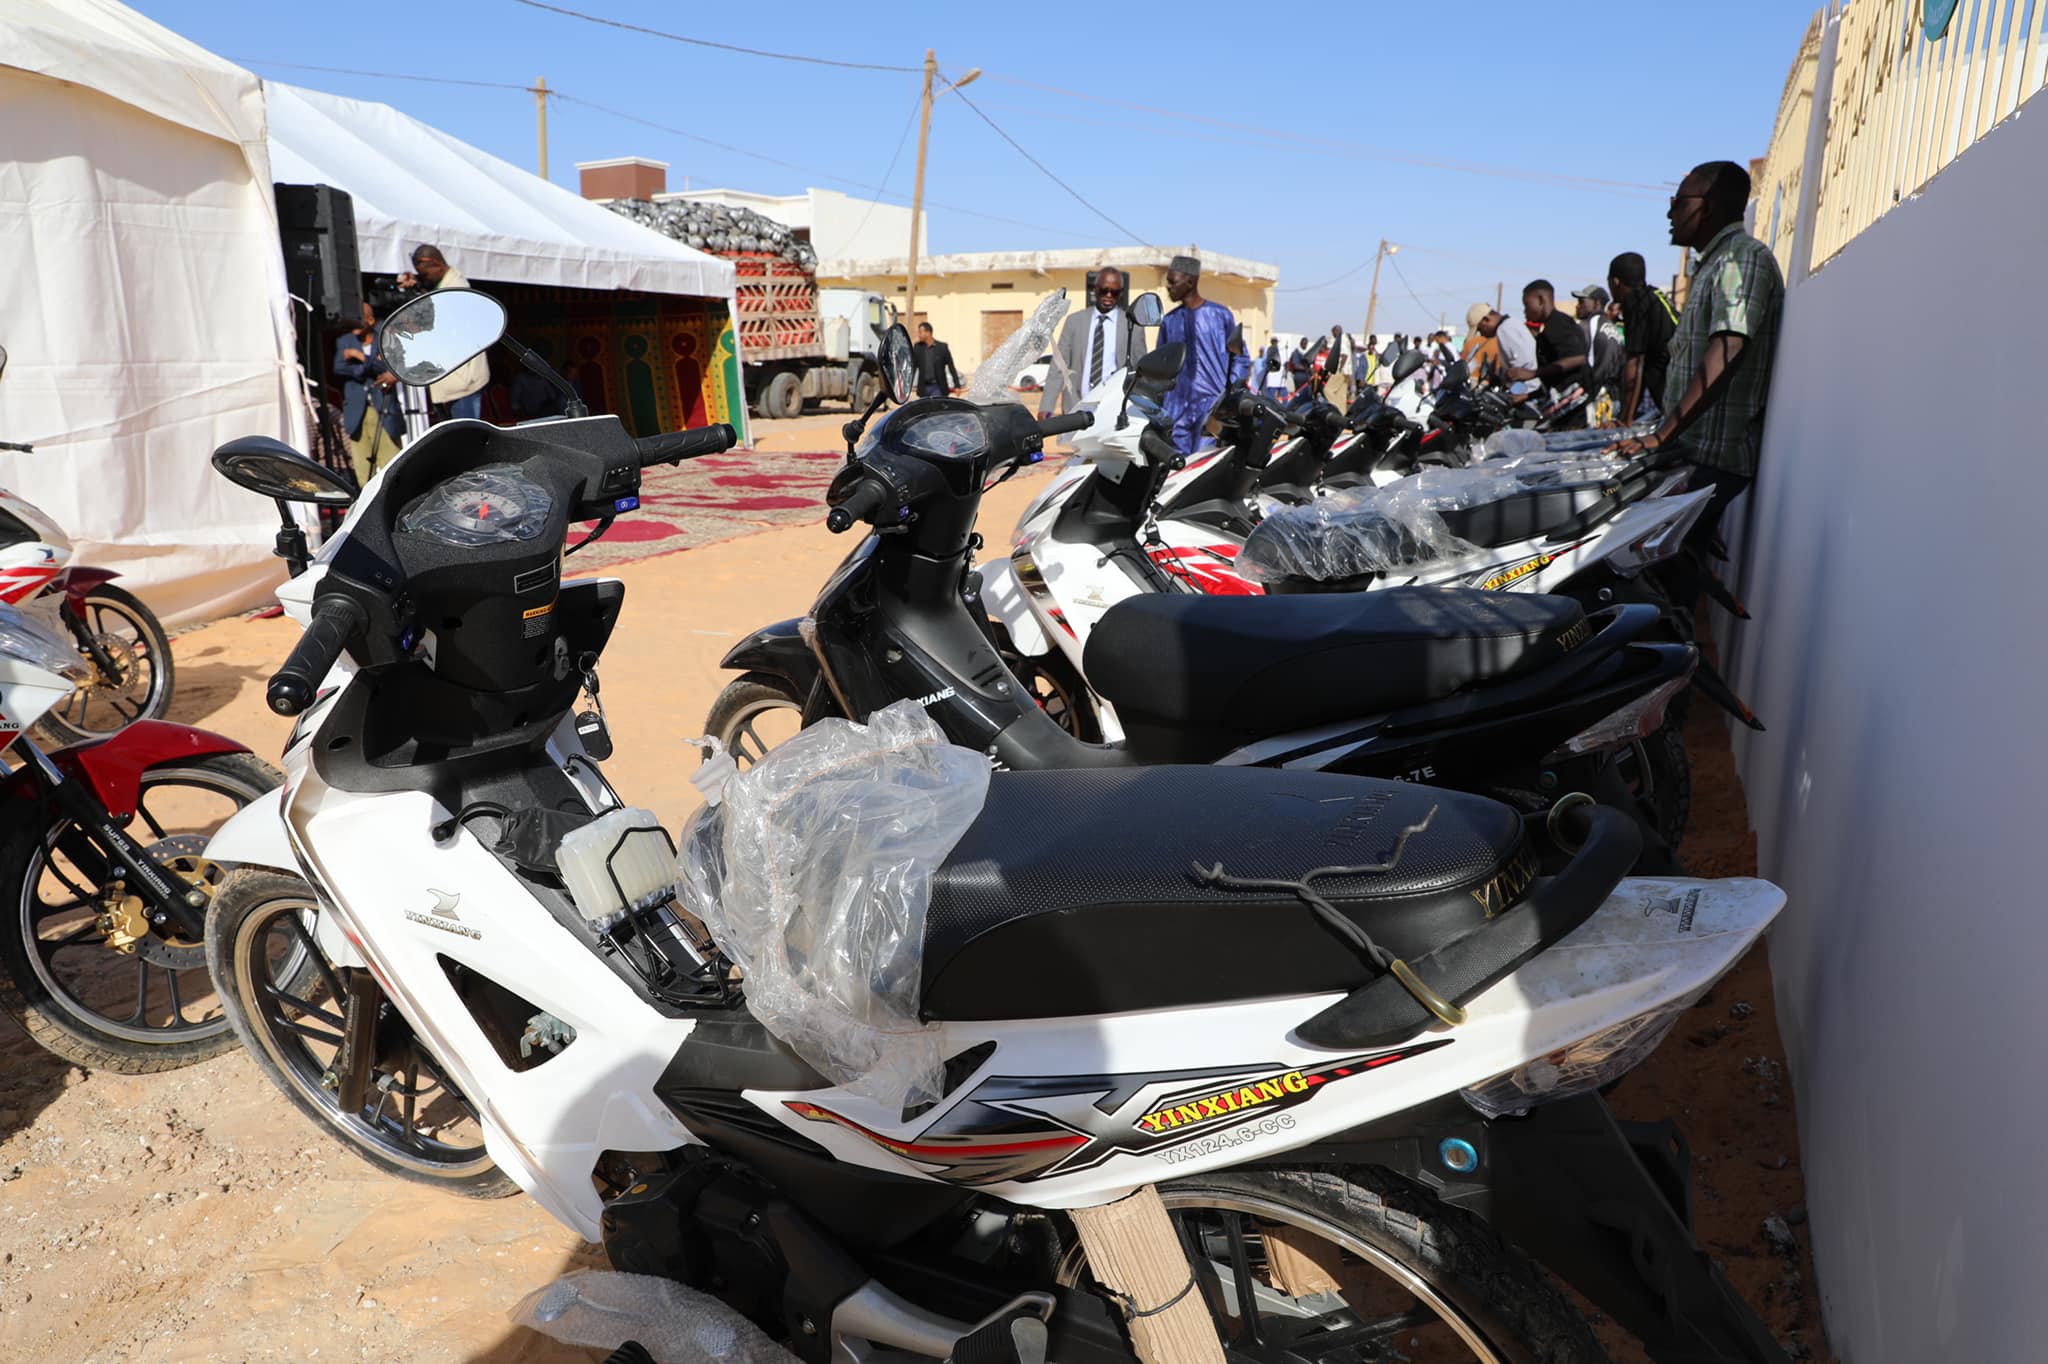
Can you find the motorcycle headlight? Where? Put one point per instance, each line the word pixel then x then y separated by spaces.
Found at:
pixel 1583 1066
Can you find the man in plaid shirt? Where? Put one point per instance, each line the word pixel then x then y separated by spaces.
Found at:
pixel 1721 353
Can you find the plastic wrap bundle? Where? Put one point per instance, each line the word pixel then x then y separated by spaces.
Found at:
pixel 991 383
pixel 813 875
pixel 718 229
pixel 600 1309
pixel 1523 443
pixel 1348 535
pixel 33 634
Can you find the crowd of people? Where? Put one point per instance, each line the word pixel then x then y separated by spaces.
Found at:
pixel 1691 380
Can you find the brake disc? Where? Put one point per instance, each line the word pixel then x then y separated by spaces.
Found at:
pixel 184 856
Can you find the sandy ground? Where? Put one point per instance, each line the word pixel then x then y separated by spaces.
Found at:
pixel 195 1216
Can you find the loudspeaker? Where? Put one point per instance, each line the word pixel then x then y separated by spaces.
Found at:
pixel 318 225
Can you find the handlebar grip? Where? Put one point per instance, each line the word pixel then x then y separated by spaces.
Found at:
pixel 293 686
pixel 864 501
pixel 680 445
pixel 1060 426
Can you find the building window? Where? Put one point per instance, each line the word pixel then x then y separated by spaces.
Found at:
pixel 1002 284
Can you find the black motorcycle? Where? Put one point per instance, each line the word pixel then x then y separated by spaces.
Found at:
pixel 1520 697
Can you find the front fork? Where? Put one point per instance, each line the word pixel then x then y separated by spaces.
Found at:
pixel 88 644
pixel 170 903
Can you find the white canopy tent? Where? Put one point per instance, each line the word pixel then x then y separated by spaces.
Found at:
pixel 142 303
pixel 413 183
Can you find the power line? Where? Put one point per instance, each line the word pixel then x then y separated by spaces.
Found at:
pixel 894 156
pixel 1366 150
pixel 1406 285
pixel 1311 288
pixel 721 47
pixel 807 170
pixel 1043 168
pixel 380 75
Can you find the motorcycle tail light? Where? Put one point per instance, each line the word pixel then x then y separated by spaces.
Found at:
pixel 1659 545
pixel 1639 719
pixel 1579 1068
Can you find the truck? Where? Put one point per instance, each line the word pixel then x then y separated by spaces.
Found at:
pixel 799 342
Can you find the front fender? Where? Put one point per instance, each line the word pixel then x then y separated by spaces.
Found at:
pixel 778 650
pixel 76 582
pixel 1006 602
pixel 254 836
pixel 113 767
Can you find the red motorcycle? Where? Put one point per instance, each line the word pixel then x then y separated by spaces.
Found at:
pixel 103 879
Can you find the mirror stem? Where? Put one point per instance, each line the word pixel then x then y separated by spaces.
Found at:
pixel 854 429
pixel 291 541
pixel 574 406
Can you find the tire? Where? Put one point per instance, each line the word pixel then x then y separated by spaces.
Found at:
pixel 253 903
pixel 136 640
pixel 736 715
pixel 1059 690
pixel 783 398
pixel 33 991
pixel 1666 795
pixel 869 389
pixel 1491 1301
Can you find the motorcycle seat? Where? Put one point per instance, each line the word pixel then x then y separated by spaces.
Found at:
pixel 1195 676
pixel 1523 515
pixel 1074 891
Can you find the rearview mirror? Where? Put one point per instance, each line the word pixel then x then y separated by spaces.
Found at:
pixel 3 359
pixel 274 469
pixel 1146 310
pixel 436 334
pixel 1455 375
pixel 1410 361
pixel 896 363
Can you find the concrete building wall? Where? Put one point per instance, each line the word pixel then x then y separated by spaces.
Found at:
pixel 1896 653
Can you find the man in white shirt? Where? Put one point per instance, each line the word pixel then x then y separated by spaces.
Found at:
pixel 1517 343
pixel 1094 343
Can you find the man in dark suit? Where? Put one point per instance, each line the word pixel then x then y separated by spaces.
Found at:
pixel 370 413
pixel 1094 343
pixel 933 360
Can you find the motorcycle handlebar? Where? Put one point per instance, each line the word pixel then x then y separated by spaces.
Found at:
pixel 863 502
pixel 676 446
pixel 1060 426
pixel 293 686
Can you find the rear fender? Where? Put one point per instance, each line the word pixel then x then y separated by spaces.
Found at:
pixel 778 650
pixel 76 583
pixel 1006 601
pixel 113 767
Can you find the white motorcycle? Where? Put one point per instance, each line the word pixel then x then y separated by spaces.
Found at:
pixel 1130 515
pixel 129 673
pixel 1168 1116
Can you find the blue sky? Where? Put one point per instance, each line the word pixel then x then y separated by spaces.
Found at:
pixel 1300 140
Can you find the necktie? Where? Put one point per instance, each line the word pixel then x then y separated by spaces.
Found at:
pixel 1094 375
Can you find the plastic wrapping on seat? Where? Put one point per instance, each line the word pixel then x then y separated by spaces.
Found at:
pixel 33 638
pixel 992 382
pixel 1351 534
pixel 602 1309
pixel 814 874
pixel 1522 442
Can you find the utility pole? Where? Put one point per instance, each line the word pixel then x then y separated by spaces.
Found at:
pixel 1499 294
pixel 1372 302
pixel 539 90
pixel 924 133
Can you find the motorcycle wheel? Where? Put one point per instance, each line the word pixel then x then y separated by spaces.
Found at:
pixel 1059 691
pixel 755 712
pixel 1413 1279
pixel 418 1126
pixel 127 632
pixel 1658 771
pixel 64 980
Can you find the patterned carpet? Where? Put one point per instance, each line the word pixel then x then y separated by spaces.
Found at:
pixel 715 498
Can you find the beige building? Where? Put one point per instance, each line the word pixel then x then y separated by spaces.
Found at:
pixel 974 301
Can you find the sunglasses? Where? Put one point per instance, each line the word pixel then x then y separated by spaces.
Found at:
pixel 1103 289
